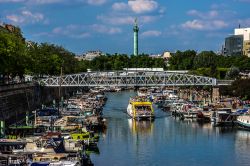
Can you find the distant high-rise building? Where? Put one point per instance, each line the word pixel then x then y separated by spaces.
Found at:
pixel 136 30
pixel 233 45
pixel 245 32
pixel 239 43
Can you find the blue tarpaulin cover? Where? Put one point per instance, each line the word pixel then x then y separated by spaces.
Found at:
pixel 40 164
pixel 241 111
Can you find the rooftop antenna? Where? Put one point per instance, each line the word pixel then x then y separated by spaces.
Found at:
pixel 239 26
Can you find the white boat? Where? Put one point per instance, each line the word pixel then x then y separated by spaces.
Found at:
pixel 191 112
pixel 244 121
pixel 118 89
pixel 140 108
pixel 65 163
pixel 142 92
pixel 173 96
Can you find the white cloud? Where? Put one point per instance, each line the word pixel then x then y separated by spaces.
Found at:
pixel 124 13
pixel 147 19
pixel 194 24
pixel 79 36
pixel 141 6
pixel 151 33
pixel 215 19
pixel 123 20
pixel 120 6
pixel 209 15
pixel 84 31
pixel 43 2
pixel 72 31
pixel 204 24
pixel 61 31
pixel 137 6
pixel 96 2
pixel 5 1
pixel 116 20
pixel 105 30
pixel 32 1
pixel 25 17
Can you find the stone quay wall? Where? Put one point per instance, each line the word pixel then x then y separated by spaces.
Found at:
pixel 16 100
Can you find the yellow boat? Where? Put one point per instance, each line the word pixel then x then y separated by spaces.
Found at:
pixel 140 108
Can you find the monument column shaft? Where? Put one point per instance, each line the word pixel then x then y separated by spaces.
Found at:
pixel 136 30
pixel 135 43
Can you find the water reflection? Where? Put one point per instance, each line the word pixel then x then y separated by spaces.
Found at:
pixel 242 147
pixel 142 127
pixel 166 140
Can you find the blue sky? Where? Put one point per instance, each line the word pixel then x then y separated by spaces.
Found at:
pixel 106 25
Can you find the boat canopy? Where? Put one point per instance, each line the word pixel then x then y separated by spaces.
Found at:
pixel 241 111
pixel 142 103
pixel 47 112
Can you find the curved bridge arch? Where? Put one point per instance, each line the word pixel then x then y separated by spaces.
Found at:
pixel 128 78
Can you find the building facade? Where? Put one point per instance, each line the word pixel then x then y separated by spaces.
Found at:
pixel 90 55
pixel 239 43
pixel 166 55
pixel 246 48
pixel 243 31
pixel 233 45
pixel 246 39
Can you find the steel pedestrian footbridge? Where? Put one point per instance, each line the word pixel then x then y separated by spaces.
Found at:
pixel 129 79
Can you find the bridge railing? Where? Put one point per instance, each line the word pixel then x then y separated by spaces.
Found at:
pixel 129 78
pixel 224 82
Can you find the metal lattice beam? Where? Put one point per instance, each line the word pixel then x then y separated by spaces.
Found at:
pixel 128 78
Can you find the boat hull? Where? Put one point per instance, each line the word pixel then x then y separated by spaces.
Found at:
pixel 142 117
pixel 243 125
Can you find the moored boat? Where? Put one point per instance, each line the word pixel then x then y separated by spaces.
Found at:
pixel 140 108
pixel 243 121
pixel 223 117
pixel 142 91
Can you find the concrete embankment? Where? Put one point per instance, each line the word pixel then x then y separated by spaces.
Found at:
pixel 16 100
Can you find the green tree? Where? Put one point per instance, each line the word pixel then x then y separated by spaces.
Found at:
pixel 182 60
pixel 47 59
pixel 13 57
pixel 205 59
pixel 232 73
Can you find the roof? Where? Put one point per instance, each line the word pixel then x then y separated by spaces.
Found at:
pixel 141 103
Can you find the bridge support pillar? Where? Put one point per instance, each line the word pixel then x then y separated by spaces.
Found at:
pixel 215 95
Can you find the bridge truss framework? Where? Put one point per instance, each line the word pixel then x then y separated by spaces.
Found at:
pixel 128 79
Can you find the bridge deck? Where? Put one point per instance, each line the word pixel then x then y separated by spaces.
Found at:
pixel 131 78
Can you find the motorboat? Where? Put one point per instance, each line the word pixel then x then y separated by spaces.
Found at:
pixel 140 108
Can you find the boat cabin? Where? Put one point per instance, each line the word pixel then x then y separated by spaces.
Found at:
pixel 223 116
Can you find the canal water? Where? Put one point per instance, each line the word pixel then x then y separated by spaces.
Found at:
pixel 166 140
